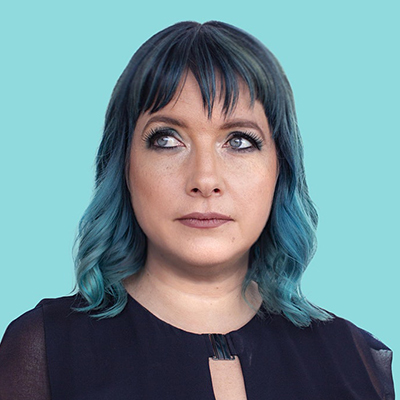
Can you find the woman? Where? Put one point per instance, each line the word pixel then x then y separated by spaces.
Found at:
pixel 191 252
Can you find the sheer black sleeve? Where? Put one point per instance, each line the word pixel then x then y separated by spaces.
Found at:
pixel 23 366
pixel 377 359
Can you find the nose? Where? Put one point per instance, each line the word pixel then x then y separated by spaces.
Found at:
pixel 205 175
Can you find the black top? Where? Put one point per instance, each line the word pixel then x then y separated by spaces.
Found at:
pixel 52 352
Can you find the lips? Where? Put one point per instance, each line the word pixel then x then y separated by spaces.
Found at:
pixel 204 220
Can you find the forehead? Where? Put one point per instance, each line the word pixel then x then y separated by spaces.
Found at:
pixel 188 109
pixel 188 98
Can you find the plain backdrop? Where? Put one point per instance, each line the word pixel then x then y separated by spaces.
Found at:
pixel 59 63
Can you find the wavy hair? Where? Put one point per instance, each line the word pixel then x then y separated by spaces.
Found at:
pixel 111 245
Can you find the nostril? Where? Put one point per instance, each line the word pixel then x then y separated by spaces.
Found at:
pixel 206 192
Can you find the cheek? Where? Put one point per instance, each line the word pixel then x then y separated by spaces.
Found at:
pixel 259 201
pixel 254 193
pixel 256 182
pixel 151 186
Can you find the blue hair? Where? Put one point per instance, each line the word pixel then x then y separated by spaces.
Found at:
pixel 111 245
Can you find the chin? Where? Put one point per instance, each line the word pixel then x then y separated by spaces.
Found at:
pixel 200 252
pixel 211 258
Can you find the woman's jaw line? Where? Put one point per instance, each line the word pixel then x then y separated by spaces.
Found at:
pixel 194 277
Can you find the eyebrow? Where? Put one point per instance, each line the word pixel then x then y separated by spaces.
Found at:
pixel 166 120
pixel 242 123
pixel 236 123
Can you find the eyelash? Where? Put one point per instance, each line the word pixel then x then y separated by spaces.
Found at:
pixel 157 133
pixel 251 137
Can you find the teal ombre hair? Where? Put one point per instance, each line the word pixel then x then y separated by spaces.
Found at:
pixel 111 245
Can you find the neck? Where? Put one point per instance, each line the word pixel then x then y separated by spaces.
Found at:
pixel 195 300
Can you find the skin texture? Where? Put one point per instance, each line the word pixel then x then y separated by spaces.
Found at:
pixel 193 276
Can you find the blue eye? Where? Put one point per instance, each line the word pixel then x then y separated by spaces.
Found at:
pixel 244 141
pixel 239 143
pixel 162 138
pixel 166 141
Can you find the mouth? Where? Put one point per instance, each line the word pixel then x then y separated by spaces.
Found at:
pixel 204 220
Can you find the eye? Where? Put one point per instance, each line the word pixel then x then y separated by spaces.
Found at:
pixel 166 141
pixel 162 138
pixel 239 143
pixel 244 141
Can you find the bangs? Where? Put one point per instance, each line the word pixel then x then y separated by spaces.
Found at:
pixel 218 59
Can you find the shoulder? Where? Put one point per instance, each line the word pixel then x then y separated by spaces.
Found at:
pixel 25 332
pixel 358 334
pixel 26 348
pixel 339 333
pixel 23 366
pixel 341 328
pixel 338 348
pixel 353 344
pixel 31 324
pixel 61 317
pixel 65 303
pixel 334 332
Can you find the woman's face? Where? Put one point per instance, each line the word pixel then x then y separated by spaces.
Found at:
pixel 202 187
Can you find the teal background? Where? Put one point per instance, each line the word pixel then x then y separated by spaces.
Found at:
pixel 60 62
